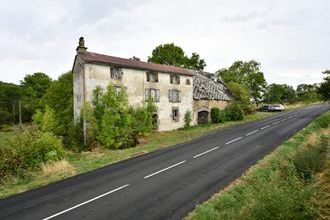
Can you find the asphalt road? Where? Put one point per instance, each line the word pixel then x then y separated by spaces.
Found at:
pixel 165 184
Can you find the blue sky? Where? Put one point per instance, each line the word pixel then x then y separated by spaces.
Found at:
pixel 290 38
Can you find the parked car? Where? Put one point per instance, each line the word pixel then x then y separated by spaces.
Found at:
pixel 264 108
pixel 277 108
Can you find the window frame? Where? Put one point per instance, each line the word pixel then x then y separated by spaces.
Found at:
pixel 155 77
pixel 147 94
pixel 170 95
pixel 177 117
pixel 174 79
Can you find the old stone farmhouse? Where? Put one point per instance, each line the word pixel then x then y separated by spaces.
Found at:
pixel 175 90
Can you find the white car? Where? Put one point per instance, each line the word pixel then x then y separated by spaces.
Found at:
pixel 276 107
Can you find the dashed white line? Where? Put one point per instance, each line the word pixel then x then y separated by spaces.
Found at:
pixel 252 132
pixel 265 127
pixel 88 201
pixel 205 152
pixel 162 170
pixel 290 117
pixel 284 119
pixel 275 122
pixel 229 142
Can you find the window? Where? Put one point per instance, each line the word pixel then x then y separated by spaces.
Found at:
pixel 116 73
pixel 152 93
pixel 188 82
pixel 174 79
pixel 175 114
pixel 118 89
pixel 174 96
pixel 152 77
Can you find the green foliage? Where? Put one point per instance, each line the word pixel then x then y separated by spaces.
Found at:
pixel 187 119
pixel 48 121
pixel 324 89
pixel 29 150
pixel 277 93
pixel 239 92
pixel 118 125
pixel 247 74
pixel 34 87
pixel 37 117
pixel 170 54
pixel 218 116
pixel 307 93
pixel 9 96
pixel 59 97
pixel 115 129
pixel 234 112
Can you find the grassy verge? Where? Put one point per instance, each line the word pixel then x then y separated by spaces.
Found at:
pixel 283 185
pixel 77 163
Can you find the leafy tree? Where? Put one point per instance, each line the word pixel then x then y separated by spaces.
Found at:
pixel 247 74
pixel 239 92
pixel 307 92
pixel 59 97
pixel 324 89
pixel 115 129
pixel 280 93
pixel 48 122
pixel 34 87
pixel 10 94
pixel 170 54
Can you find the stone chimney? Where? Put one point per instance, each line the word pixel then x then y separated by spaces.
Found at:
pixel 81 47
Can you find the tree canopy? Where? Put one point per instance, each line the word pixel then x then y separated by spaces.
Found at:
pixel 248 74
pixel 170 54
pixel 279 93
pixel 324 89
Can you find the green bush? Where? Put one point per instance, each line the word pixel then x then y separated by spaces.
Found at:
pixel 6 128
pixel 29 150
pixel 187 119
pixel 311 158
pixel 218 116
pixel 323 121
pixel 234 112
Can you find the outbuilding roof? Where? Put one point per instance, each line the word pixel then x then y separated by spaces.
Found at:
pixel 134 64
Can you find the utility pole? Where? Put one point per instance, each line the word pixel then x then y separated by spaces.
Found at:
pixel 20 114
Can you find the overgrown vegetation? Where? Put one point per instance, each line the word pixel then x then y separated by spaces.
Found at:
pixel 281 186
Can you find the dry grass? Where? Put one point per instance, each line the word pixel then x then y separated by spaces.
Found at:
pixel 58 167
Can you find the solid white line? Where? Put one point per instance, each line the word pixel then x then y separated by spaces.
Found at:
pixel 252 132
pixel 88 201
pixel 264 127
pixel 229 142
pixel 205 152
pixel 167 168
pixel 275 123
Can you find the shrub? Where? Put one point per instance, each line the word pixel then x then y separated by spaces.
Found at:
pixel 48 122
pixel 234 112
pixel 6 128
pixel 323 121
pixel 29 150
pixel 187 119
pixel 218 116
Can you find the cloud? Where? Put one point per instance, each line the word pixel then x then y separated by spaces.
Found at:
pixel 290 38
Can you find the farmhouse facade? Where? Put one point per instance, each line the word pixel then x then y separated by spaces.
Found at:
pixel 175 90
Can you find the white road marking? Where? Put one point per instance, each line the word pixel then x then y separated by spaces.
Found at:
pixel 284 119
pixel 162 170
pixel 265 127
pixel 275 122
pixel 88 201
pixel 252 132
pixel 290 116
pixel 205 152
pixel 229 142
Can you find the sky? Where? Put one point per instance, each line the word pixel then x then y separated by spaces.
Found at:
pixel 290 38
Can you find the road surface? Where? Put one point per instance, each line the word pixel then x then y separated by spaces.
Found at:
pixel 165 184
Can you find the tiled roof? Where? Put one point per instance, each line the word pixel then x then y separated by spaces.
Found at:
pixel 134 64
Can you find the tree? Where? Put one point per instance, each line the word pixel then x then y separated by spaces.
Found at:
pixel 324 89
pixel 279 93
pixel 34 87
pixel 10 94
pixel 247 74
pixel 59 97
pixel 307 92
pixel 170 54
